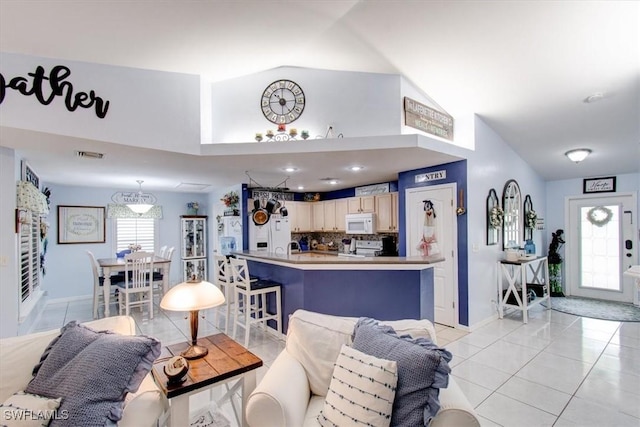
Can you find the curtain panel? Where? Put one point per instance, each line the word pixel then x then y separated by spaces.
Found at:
pixel 122 211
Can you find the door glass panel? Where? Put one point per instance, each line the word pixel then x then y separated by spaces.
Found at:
pixel 600 247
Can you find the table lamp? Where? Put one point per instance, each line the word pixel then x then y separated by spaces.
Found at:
pixel 192 296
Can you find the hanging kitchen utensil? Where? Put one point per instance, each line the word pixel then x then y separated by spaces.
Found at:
pixel 259 215
pixel 272 206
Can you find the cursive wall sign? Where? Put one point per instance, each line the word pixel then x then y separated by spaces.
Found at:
pixel 599 185
pixel 47 87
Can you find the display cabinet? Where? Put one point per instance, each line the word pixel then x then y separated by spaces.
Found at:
pixel 194 246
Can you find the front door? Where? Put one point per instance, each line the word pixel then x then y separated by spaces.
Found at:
pixel 431 219
pixel 601 246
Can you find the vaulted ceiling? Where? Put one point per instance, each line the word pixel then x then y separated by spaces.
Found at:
pixel 525 67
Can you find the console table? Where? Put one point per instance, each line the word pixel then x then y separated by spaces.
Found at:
pixel 516 274
pixel 226 361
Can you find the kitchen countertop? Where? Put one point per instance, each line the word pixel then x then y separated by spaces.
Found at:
pixel 320 259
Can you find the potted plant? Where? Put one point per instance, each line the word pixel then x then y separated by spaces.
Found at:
pixel 231 200
pixel 555 263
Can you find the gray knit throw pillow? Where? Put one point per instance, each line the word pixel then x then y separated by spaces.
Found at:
pixel 422 370
pixel 92 372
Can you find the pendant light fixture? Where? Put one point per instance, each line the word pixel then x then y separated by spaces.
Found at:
pixel 139 207
pixel 578 155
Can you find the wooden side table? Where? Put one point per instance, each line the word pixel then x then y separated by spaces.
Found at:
pixel 515 273
pixel 227 360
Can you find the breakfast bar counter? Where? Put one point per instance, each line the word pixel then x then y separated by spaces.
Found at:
pixel 385 288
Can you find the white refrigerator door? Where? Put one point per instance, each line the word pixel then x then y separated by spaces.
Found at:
pixel 280 234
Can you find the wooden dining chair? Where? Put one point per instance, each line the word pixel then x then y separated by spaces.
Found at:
pixel 223 280
pixel 98 283
pixel 158 275
pixel 138 282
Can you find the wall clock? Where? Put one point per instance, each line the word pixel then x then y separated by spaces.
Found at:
pixel 282 101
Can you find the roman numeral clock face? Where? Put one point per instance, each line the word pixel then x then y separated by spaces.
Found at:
pixel 282 101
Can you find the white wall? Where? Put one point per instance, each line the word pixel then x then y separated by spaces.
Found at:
pixel 355 104
pixel 151 109
pixel 491 164
pixel 9 295
pixel 69 273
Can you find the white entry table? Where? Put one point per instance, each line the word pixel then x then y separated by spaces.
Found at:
pixel 516 274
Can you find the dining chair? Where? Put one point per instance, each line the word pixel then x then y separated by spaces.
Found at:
pixel 163 251
pixel 98 283
pixel 158 275
pixel 138 282
pixel 251 299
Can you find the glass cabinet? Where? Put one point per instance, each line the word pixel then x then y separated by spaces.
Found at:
pixel 194 246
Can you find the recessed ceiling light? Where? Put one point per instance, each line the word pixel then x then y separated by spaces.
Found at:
pixel 290 169
pixel 356 168
pixel 593 98
pixel 300 187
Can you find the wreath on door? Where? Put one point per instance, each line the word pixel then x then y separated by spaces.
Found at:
pixel 599 216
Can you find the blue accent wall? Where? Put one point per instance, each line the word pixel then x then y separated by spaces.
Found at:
pixel 456 173
pixel 380 294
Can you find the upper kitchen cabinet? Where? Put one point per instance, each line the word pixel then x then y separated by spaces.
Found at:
pixel 317 214
pixel 334 213
pixel 361 204
pixel 300 216
pixel 387 212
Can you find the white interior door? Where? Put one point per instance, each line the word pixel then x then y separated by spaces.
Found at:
pixel 601 246
pixel 430 219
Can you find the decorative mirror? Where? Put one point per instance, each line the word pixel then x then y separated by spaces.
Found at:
pixel 530 218
pixel 512 206
pixel 495 215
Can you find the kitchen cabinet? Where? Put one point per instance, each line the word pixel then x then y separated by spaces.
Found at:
pixel 342 208
pixel 334 213
pixel 300 216
pixel 317 213
pixel 193 249
pixel 387 212
pixel 361 204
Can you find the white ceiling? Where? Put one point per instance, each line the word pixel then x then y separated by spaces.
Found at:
pixel 525 67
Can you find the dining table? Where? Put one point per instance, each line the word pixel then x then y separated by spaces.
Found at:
pixel 116 265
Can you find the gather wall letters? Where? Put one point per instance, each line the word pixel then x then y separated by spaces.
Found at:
pixel 58 87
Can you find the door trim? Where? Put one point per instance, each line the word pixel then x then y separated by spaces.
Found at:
pixel 569 270
pixel 454 241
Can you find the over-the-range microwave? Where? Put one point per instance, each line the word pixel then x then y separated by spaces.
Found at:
pixel 362 223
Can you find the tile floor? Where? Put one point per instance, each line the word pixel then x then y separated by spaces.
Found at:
pixel 557 370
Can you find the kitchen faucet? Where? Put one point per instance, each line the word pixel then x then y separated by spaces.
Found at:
pixel 291 245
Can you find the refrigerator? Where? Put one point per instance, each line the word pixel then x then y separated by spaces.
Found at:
pixel 274 236
pixel 229 234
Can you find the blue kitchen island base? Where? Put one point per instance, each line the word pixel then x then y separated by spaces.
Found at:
pixel 383 294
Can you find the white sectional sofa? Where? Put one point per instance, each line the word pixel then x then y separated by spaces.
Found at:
pixel 18 356
pixel 284 398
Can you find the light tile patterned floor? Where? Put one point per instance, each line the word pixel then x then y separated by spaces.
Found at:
pixel 557 370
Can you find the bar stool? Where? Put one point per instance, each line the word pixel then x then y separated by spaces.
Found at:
pixel 245 290
pixel 223 280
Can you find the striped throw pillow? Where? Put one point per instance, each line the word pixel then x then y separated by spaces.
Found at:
pixel 361 392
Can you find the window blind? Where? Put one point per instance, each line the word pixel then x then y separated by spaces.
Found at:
pixel 139 231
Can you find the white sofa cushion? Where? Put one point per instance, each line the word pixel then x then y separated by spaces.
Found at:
pixel 361 391
pixel 28 410
pixel 315 339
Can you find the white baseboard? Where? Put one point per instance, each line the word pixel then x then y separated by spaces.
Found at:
pixel 483 322
pixel 69 299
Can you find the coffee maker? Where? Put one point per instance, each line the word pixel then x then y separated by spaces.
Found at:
pixel 389 246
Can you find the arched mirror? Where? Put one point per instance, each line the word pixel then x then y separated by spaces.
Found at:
pixel 512 206
pixel 529 222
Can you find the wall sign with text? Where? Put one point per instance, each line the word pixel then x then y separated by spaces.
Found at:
pixel 599 185
pixel 426 119
pixel 47 86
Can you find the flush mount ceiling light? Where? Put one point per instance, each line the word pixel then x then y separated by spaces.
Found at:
pixel 578 154
pixel 139 207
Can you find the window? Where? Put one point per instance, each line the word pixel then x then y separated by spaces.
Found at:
pixel 29 254
pixel 141 231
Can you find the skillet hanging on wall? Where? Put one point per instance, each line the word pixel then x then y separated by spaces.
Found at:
pixel 259 215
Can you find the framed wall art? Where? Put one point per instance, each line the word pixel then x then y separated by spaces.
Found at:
pixel 599 185
pixel 81 224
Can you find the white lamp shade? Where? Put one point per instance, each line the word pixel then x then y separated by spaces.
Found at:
pixel 192 295
pixel 578 155
pixel 140 208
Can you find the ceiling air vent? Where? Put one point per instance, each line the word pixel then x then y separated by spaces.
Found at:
pixel 89 154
